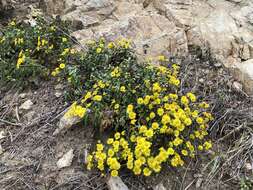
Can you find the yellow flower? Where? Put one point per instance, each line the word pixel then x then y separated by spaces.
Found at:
pixel 187 121
pixel 147 172
pixel 177 141
pixel 184 100
pixel 114 173
pixel 156 87
pixel 133 138
pixel 161 58
pixel 140 101
pixel 200 147
pixel 170 151
pixel 97 98
pixel 146 100
pixel 143 129
pixel 192 97
pixel 155 125
pixel 163 129
pixel 64 39
pixel 152 115
pixel 100 147
pixel 99 50
pixel 62 66
pixel 207 145
pixel 110 153
pixel 21 59
pixel 149 133
pixel 12 23
pixel 200 120
pixel 184 152
pixel 130 108
pixel 53 74
pixel 117 136
pixel 195 114
pixel 122 89
pixel 160 111
pixel 110 141
pixel 111 45
pixel 132 115
pixel 133 121
pixel 116 106
pixel 165 119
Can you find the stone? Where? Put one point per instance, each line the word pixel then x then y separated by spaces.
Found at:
pixel 116 183
pixel 249 166
pixel 244 73
pixel 160 186
pixel 65 123
pixel 2 134
pixel 59 87
pixel 97 4
pixel 22 95
pixel 83 35
pixel 1 150
pixel 245 54
pixel 85 156
pixel 80 20
pixel 237 86
pixel 66 159
pixel 58 94
pixel 27 105
pixel 52 7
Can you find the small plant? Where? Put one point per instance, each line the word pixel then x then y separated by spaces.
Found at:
pixel 245 184
pixel 30 52
pixel 149 123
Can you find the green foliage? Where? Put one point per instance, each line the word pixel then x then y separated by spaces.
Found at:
pixel 29 52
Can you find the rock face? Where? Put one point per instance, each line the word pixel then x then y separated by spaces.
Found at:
pixel 168 27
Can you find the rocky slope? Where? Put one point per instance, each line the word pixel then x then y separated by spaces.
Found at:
pixel 170 27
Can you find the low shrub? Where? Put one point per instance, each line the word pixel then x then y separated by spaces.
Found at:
pixel 137 106
pixel 149 122
pixel 28 52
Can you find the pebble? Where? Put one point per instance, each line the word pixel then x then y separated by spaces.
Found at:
pixel 66 159
pixel 27 105
pixel 116 183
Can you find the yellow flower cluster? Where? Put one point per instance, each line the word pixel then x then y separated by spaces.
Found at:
pixel 115 72
pixel 124 43
pixel 21 59
pixel 76 111
pixel 163 127
pixel 18 41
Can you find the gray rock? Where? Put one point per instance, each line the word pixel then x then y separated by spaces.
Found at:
pixel 58 94
pixel 2 134
pixel 22 95
pixel 160 186
pixel 27 105
pixel 116 183
pixel 243 72
pixel 66 159
pixel 1 149
pixel 59 87
pixel 237 86
pixel 65 123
